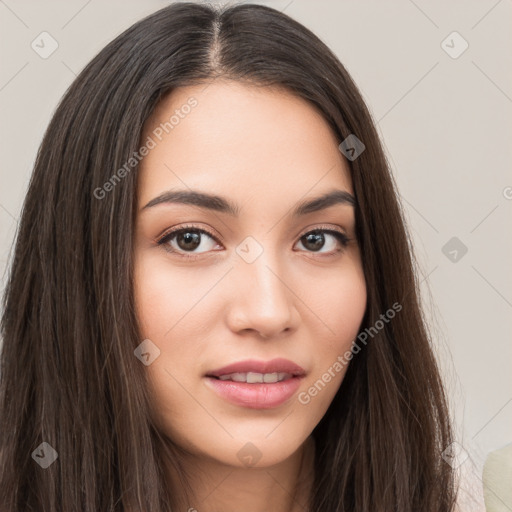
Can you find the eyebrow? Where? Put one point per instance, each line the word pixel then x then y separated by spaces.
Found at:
pixel 223 205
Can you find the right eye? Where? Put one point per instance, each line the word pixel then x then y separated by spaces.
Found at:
pixel 187 239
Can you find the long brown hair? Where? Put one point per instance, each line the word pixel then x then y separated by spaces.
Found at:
pixel 69 377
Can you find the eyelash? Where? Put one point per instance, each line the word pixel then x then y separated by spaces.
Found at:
pixel 169 235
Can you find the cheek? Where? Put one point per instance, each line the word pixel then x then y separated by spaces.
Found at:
pixel 170 314
pixel 347 306
pixel 150 296
pixel 165 300
pixel 340 307
pixel 339 302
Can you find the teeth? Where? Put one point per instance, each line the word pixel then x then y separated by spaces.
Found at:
pixel 254 378
pixel 270 377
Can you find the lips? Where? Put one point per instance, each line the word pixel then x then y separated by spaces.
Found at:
pixel 257 384
pixel 278 366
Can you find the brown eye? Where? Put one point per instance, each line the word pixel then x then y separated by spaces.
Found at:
pixel 187 240
pixel 315 240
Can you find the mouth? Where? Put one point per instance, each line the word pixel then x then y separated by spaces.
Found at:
pixel 254 377
pixel 253 371
pixel 257 384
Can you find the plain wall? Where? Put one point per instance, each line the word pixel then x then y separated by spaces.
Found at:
pixel 446 124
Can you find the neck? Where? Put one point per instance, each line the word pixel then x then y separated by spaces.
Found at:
pixel 283 487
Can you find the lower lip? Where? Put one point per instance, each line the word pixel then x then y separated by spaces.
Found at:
pixel 255 396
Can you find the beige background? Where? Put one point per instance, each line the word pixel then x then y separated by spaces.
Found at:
pixel 446 124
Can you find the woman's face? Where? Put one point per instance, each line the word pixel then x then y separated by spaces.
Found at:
pixel 258 288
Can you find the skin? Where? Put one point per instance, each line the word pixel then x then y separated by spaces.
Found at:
pixel 266 150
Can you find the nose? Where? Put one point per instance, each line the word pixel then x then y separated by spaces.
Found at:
pixel 263 299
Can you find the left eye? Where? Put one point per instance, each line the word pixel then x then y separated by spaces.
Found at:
pixel 188 239
pixel 316 239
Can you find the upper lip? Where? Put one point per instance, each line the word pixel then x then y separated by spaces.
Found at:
pixel 250 365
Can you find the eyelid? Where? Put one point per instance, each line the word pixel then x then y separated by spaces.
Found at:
pixel 159 239
pixel 343 239
pixel 309 229
pixel 324 227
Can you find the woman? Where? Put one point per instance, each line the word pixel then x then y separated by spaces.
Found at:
pixel 212 303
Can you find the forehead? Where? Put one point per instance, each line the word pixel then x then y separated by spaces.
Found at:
pixel 240 140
